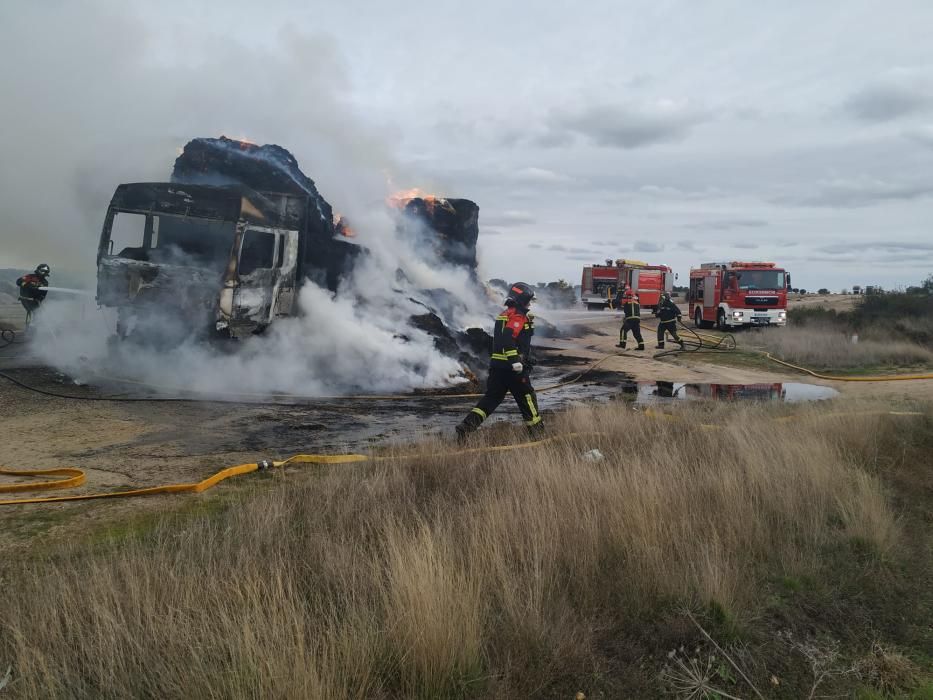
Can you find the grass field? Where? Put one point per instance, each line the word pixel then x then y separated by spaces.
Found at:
pixel 722 549
pixel 833 348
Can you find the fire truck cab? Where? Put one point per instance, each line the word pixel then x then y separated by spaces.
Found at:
pixel 601 283
pixel 737 294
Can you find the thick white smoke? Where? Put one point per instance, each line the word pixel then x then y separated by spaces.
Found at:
pixel 359 340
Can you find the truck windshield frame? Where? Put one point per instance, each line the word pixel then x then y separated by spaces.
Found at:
pixel 760 279
pixel 170 239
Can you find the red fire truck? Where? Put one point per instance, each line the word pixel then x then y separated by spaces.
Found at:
pixel 738 294
pixel 601 282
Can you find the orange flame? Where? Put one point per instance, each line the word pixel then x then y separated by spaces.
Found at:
pixel 400 199
pixel 341 227
pixel 241 140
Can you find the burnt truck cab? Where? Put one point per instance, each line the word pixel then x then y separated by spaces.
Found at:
pixel 190 260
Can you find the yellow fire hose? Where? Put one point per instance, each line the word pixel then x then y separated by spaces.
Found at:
pixel 77 476
pixel 882 378
pixel 828 377
pixel 74 477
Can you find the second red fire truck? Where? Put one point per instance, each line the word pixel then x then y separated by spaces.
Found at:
pixel 601 283
pixel 737 294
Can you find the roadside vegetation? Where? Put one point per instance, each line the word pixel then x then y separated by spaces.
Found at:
pixel 882 331
pixel 719 551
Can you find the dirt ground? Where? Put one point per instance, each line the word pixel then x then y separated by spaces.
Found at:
pixel 130 444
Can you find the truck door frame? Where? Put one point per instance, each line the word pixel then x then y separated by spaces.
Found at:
pixel 272 293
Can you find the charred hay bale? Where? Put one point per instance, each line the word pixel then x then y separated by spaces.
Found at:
pixel 223 161
pixel 455 222
pixel 432 324
pixel 271 169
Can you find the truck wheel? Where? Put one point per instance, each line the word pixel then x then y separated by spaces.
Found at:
pixel 699 322
pixel 721 320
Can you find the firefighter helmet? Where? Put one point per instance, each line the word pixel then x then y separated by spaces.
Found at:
pixel 629 294
pixel 520 294
pixel 43 270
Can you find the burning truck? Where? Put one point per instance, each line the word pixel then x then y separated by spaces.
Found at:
pixel 224 247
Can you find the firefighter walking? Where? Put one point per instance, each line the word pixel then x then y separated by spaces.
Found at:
pixel 668 315
pixel 632 322
pixel 509 365
pixel 31 293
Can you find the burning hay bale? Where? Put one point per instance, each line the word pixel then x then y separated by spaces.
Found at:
pixel 453 224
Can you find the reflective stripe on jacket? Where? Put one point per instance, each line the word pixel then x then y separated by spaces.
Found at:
pixel 668 311
pixel 511 338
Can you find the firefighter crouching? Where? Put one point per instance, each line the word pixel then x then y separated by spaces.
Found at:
pixel 668 315
pixel 632 311
pixel 510 365
pixel 31 293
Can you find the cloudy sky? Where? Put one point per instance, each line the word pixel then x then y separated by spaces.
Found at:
pixel 674 132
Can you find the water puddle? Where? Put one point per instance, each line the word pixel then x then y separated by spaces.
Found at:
pixel 790 392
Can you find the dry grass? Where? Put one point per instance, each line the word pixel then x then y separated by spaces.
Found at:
pixel 496 575
pixel 833 348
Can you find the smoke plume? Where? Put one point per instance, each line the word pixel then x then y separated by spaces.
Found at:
pixel 102 97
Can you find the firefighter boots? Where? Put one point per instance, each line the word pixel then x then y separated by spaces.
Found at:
pixel 468 425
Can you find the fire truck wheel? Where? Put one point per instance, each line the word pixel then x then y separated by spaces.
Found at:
pixel 698 319
pixel 721 320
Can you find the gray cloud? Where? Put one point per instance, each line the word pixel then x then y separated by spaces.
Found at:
pixel 727 224
pixel 510 217
pixel 894 259
pixel 688 245
pixel 564 249
pixel 679 193
pixel 886 246
pixel 647 247
pixel 538 176
pixel 745 245
pixel 922 135
pixel 862 192
pixel 884 101
pixel 619 126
